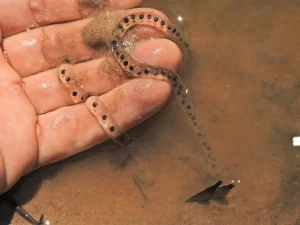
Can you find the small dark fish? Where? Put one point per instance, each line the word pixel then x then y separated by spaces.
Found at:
pixel 214 192
pixel 222 192
pixel 206 195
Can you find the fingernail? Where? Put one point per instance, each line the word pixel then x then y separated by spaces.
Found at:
pixel 124 4
pixel 141 98
pixel 158 52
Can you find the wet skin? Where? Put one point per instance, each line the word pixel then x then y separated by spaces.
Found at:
pixel 40 120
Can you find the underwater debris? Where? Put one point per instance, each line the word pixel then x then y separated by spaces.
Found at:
pixel 124 140
pixel 137 183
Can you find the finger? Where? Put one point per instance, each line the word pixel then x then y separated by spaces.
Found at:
pixel 45 48
pixel 35 13
pixel 125 4
pixel 7 76
pixel 49 91
pixel 73 129
pixel 16 131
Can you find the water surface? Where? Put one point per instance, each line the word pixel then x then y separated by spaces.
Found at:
pixel 244 79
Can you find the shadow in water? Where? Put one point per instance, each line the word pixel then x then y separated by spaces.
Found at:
pixel 28 186
pixel 6 210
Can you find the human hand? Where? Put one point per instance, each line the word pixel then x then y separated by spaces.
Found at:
pixel 40 121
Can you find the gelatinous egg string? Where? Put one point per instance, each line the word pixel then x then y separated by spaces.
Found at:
pixel 151 20
pixel 137 69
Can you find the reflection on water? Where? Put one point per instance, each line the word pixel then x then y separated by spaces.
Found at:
pixel 244 79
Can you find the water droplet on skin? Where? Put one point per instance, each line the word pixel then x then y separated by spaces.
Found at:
pixel 31 42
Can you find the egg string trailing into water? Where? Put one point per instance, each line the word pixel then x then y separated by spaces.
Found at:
pixel 136 69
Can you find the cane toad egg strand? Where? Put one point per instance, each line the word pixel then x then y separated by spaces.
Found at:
pixel 150 20
pixel 137 69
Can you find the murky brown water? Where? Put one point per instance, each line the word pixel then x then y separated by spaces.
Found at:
pixel 244 78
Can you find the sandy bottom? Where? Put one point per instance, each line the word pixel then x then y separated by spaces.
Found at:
pixel 244 78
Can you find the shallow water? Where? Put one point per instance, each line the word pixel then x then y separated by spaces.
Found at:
pixel 244 79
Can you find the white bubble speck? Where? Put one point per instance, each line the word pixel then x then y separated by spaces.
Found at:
pixel 296 141
pixel 180 18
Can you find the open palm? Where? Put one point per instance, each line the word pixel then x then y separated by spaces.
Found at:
pixel 41 121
